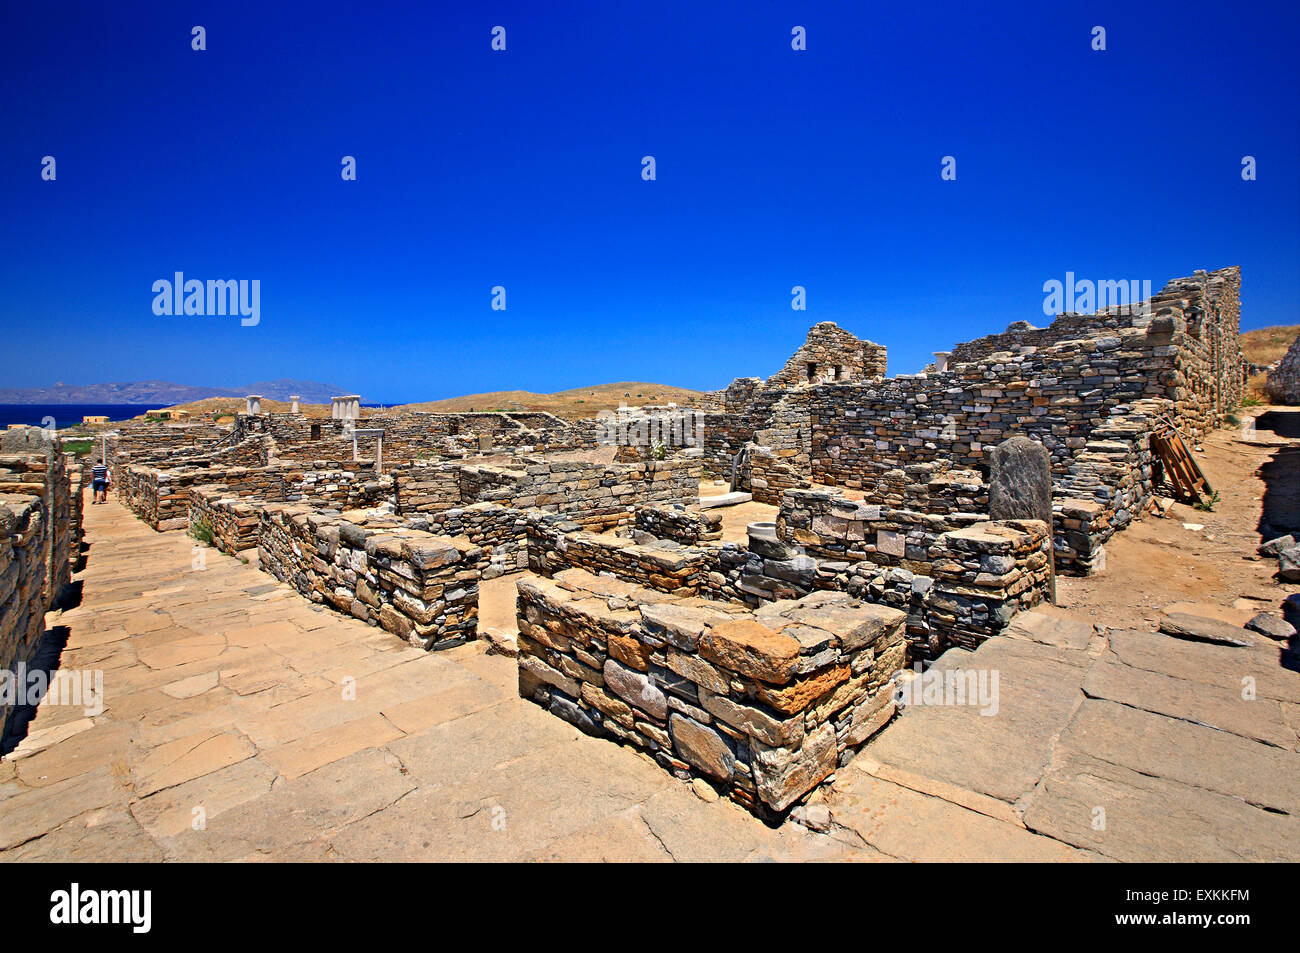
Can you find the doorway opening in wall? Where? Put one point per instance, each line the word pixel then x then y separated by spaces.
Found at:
pixel 315 431
pixel 812 371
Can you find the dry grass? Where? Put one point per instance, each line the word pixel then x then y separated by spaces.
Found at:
pixel 573 404
pixel 1266 345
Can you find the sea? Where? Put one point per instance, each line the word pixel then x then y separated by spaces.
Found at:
pixel 65 415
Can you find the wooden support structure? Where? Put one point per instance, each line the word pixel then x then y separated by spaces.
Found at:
pixel 1179 468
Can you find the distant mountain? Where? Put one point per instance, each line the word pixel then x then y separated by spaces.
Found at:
pixel 309 392
pixel 162 393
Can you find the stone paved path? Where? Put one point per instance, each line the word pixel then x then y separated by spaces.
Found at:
pixel 240 722
pixel 224 700
pixel 1129 745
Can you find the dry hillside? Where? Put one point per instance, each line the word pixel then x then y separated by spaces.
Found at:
pixel 574 404
pixel 1266 345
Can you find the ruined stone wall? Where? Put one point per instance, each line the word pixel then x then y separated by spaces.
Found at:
pixel 25 541
pixel 891 557
pixel 500 531
pixel 420 587
pixel 983 575
pixel 1055 396
pixel 688 525
pixel 140 442
pixel 39 528
pixel 1284 379
pixel 233 523
pixel 32 462
pixel 832 527
pixel 598 495
pixel 556 543
pixel 765 705
pixel 1210 371
pixel 160 497
pixel 830 354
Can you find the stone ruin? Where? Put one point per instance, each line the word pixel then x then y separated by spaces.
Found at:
pixel 899 529
pixel 1284 377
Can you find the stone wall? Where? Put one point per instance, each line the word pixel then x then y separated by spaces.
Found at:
pixel 1088 388
pixel 598 495
pixel 420 587
pixel 39 540
pixel 1284 379
pixel 983 575
pixel 556 543
pixel 25 539
pixel 501 532
pixel 160 497
pixel 830 354
pixel 688 525
pixel 232 523
pixel 764 705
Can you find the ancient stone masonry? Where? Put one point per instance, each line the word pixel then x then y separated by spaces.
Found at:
pixel 414 435
pixel 599 496
pixel 983 576
pixel 1284 378
pixel 825 542
pixel 420 587
pixel 830 354
pixel 680 523
pixel 25 535
pixel 1088 388
pixel 765 705
pixel 556 543
pixel 40 533
pixel 501 532
pixel 161 497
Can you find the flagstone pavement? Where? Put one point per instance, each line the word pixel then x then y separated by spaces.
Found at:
pixel 241 723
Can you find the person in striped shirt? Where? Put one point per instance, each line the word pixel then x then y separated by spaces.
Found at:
pixel 99 483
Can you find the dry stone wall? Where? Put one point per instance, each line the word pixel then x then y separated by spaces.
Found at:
pixel 39 541
pixel 1284 379
pixel 420 587
pixel 764 705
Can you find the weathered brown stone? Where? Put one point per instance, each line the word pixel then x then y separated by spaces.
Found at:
pixel 702 747
pixel 751 648
pixel 802 692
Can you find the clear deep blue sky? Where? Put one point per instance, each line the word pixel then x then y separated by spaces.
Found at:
pixel 522 169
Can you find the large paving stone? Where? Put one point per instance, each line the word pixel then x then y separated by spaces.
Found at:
pixel 298 812
pixel 907 825
pixel 36 811
pixel 1154 819
pixel 1204 629
pixel 1204 662
pixel 1260 719
pixel 1188 753
pixel 1004 755
pixel 107 835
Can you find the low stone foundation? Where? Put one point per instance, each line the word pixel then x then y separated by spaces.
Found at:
pixel 688 525
pixel 763 704
pixel 555 544
pixel 420 587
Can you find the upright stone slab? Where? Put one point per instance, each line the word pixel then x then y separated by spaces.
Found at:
pixel 1020 488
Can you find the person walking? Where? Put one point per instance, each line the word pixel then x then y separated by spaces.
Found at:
pixel 99 483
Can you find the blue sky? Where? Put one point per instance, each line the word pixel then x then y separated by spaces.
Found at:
pixel 476 168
